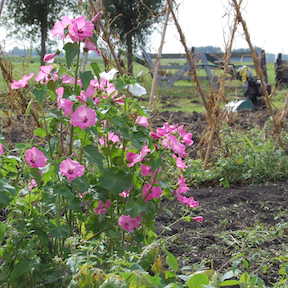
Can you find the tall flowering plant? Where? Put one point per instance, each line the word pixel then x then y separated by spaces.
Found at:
pixel 96 168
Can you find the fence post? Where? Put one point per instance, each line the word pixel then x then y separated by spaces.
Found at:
pixel 263 65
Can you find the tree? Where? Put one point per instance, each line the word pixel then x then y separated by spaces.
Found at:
pixel 33 16
pixel 133 20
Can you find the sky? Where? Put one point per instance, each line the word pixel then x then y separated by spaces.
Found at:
pixel 204 23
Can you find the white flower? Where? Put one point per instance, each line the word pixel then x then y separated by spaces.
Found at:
pixel 109 75
pixel 136 89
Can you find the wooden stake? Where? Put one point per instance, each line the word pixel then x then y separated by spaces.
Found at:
pixel 152 99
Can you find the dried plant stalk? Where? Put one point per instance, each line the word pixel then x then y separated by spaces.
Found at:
pixel 189 56
pixel 152 98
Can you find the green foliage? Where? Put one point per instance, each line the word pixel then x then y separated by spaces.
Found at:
pixel 245 158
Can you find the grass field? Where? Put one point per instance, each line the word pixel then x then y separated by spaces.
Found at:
pixel 182 97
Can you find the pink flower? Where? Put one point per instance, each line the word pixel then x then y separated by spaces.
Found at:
pixel 60 26
pixel 102 207
pixel 44 74
pixel 171 142
pixel 124 194
pixel 155 192
pixel 113 137
pixel 198 219
pixel 89 45
pixel 22 83
pixel 66 105
pixel 32 184
pixel 134 158
pixel 179 162
pixel 128 223
pixel 35 158
pixel 49 58
pixel 190 202
pixel 71 169
pixel 83 117
pixel 182 186
pixel 145 170
pixel 2 150
pixel 80 29
pixel 142 121
pixel 60 92
pixel 104 85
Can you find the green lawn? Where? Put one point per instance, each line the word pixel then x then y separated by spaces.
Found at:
pixel 183 96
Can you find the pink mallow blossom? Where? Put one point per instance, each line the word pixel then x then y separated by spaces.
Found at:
pixel 102 207
pixel 71 169
pixel 91 46
pixel 124 194
pixel 80 29
pixel 49 58
pixel 183 188
pixel 35 158
pixel 198 219
pixel 112 137
pixel 44 74
pixel 59 27
pixel 2 150
pixel 128 223
pixel 22 83
pixel 32 184
pixel 171 142
pixel 179 162
pixel 83 117
pixel 142 121
pixel 134 158
pixel 66 79
pixel 65 104
pixel 145 170
pixel 150 192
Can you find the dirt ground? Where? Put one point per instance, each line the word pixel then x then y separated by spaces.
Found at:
pixel 231 216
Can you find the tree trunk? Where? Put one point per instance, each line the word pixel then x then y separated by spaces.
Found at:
pixel 44 34
pixel 1 5
pixel 129 53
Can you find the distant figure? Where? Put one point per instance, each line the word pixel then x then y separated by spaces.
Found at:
pixel 252 86
pixel 281 72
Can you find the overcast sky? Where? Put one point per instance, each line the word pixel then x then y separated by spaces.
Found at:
pixel 203 23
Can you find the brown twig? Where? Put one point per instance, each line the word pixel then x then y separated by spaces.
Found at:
pixel 189 56
pixel 157 62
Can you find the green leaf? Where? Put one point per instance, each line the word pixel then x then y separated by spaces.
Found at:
pixel 198 280
pixel 40 132
pixel 96 69
pixel 93 155
pixel 50 174
pixel 71 51
pixel 20 268
pixel 86 77
pixel 40 93
pixel 229 283
pixel 172 261
pixel 115 180
pixel 63 190
pixel 7 192
pixel 3 228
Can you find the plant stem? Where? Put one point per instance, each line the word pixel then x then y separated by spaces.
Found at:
pixel 75 89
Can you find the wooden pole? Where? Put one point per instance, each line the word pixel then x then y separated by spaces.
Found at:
pixel 1 6
pixel 152 99
pixel 189 56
